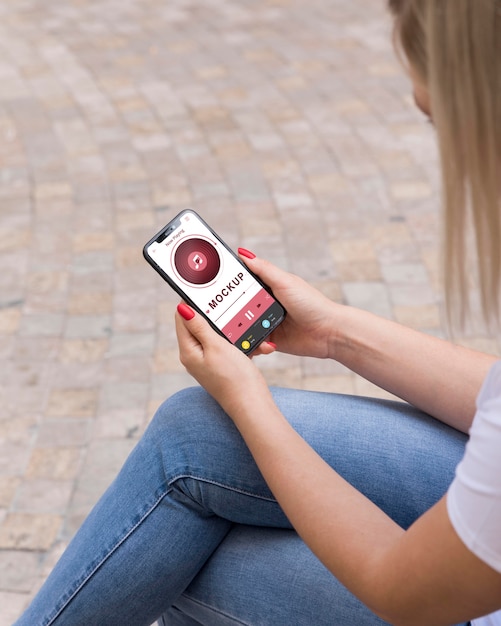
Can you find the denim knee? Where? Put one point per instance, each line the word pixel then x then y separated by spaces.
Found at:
pixel 194 434
pixel 179 406
pixel 186 413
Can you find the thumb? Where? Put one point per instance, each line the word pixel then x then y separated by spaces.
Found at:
pixel 192 326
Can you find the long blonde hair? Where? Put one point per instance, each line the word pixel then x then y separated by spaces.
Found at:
pixel 454 46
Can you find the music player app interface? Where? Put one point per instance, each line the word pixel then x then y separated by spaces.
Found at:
pixel 213 279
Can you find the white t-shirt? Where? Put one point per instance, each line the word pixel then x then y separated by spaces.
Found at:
pixel 474 498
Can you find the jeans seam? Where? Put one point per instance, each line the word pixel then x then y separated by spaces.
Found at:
pixel 139 522
pixel 222 485
pixel 217 611
pixel 106 557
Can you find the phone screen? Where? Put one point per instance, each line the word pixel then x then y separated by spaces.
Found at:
pixel 204 271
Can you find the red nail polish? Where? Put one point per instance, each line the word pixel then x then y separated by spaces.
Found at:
pixel 185 311
pixel 246 253
pixel 273 345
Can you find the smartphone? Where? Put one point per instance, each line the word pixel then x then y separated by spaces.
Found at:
pixel 203 270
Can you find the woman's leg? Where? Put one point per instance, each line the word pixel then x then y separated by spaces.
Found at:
pixel 275 581
pixel 399 457
pixel 191 476
pixel 266 577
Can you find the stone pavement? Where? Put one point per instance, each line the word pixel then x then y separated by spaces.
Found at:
pixel 287 123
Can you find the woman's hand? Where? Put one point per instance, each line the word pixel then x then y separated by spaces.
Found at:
pixel 436 376
pixel 225 372
pixel 309 328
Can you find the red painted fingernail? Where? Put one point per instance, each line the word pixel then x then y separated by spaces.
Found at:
pixel 246 253
pixel 273 345
pixel 185 311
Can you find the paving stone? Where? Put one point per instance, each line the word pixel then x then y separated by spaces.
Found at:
pixel 6 346
pixel 83 350
pixel 132 344
pixel 8 487
pixel 16 435
pixel 371 296
pixel 42 324
pixel 166 360
pixel 125 395
pixel 330 384
pixel 12 606
pixel 365 388
pixel 56 463
pixel 72 403
pixel 414 294
pixel 104 459
pixel 133 368
pixel 88 327
pixel 77 375
pixel 135 319
pixel 119 424
pixel 85 303
pixel 17 571
pixel 27 531
pixel 420 317
pixel 164 386
pixel 16 404
pixel 363 271
pixel 92 261
pixel 91 242
pixel 43 496
pixel 405 273
pixel 92 282
pixel 10 320
pixel 63 432
pixel 22 373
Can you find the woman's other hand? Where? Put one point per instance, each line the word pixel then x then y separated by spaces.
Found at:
pixel 309 328
pixel 223 370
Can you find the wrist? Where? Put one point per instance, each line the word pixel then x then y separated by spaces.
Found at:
pixel 234 399
pixel 338 324
pixel 245 414
pixel 256 422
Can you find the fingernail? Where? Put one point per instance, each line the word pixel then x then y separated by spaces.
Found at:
pixel 273 345
pixel 246 253
pixel 185 311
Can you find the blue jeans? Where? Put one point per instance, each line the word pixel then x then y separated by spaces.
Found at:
pixel 190 534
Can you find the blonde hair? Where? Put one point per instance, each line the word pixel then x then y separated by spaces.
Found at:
pixel 454 46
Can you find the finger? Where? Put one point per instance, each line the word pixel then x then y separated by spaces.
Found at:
pixel 188 343
pixel 196 324
pixel 269 273
pixel 267 347
pixel 185 311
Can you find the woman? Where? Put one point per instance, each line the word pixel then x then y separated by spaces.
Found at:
pixel 197 527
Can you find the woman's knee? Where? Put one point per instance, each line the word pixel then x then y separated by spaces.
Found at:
pixel 190 426
pixel 187 411
pixel 179 406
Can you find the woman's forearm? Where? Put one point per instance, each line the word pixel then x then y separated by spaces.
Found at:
pixel 338 523
pixel 434 375
pixel 420 576
pixel 351 536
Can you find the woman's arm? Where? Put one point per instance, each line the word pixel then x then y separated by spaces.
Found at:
pixel 421 576
pixel 434 375
pixel 439 377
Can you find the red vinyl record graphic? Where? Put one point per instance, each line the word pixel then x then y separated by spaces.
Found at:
pixel 197 261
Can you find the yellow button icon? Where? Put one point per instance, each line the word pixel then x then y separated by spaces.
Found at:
pixel 245 345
